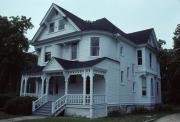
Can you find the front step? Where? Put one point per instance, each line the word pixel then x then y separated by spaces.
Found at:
pixel 44 110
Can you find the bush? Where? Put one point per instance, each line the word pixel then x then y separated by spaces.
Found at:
pixel 4 99
pixel 19 105
pixel 165 107
pixel 114 113
pixel 141 110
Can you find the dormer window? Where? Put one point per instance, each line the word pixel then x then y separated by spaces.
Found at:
pixel 51 27
pixel 61 24
pixel 94 46
pixel 47 56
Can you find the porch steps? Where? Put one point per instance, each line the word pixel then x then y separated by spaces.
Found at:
pixel 44 110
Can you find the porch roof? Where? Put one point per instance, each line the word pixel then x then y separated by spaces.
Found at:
pixel 67 64
pixel 33 69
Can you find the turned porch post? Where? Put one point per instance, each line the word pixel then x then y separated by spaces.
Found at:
pixel 91 93
pixel 25 85
pixel 47 85
pixel 84 88
pixel 42 85
pixel 66 77
pixel 21 89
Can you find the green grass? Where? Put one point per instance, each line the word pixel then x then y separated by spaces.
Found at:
pixel 6 116
pixel 124 118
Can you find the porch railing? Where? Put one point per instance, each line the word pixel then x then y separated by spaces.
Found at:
pixel 39 102
pixel 30 94
pixel 58 104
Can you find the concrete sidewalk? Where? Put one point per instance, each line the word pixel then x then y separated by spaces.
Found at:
pixel 170 118
pixel 22 118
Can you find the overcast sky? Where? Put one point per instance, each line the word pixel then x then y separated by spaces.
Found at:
pixel 128 15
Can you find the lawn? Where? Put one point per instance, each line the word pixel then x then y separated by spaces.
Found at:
pixel 124 118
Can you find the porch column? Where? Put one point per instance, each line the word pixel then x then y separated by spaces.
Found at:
pixel 47 85
pixel 84 88
pixel 66 84
pixel 21 89
pixel 91 93
pixel 42 85
pixel 25 85
pixel 37 87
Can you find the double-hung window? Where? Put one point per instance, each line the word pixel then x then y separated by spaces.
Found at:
pixel 152 87
pixel 144 87
pixel 61 24
pixel 47 56
pixel 128 73
pixel 122 79
pixel 139 57
pixel 94 46
pixel 74 51
pixel 150 60
pixel 51 27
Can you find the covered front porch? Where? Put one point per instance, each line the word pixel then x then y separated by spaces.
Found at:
pixel 72 87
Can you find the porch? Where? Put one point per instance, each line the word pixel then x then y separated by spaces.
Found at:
pixel 82 87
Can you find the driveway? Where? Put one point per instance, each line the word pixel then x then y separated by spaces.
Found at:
pixel 170 118
pixel 22 118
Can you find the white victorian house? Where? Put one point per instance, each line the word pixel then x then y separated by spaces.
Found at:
pixel 91 68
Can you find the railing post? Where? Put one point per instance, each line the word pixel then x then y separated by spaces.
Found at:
pixel 33 106
pixel 91 93
pixel 84 88
pixel 52 107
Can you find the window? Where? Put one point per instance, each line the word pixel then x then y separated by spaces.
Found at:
pixel 144 87
pixel 150 60
pixel 139 57
pixel 152 87
pixel 121 51
pixel 122 73
pixel 51 27
pixel 74 51
pixel 133 66
pixel 127 72
pixel 157 86
pixel 94 46
pixel 133 87
pixel 47 56
pixel 61 24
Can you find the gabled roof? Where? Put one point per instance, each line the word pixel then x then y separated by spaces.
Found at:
pixel 140 37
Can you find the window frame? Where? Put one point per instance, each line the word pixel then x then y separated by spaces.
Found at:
pixel 96 47
pixel 46 59
pixel 59 23
pixel 144 88
pixel 139 57
pixel 72 52
pixel 51 31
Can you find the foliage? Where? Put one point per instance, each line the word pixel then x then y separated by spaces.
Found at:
pixel 13 45
pixel 4 99
pixel 19 105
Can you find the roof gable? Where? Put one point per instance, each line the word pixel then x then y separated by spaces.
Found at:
pixel 53 65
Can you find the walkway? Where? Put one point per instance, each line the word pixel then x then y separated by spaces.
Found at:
pixel 22 118
pixel 170 118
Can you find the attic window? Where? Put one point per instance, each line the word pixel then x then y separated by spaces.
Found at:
pixel 61 24
pixel 51 27
pixel 47 56
pixel 56 12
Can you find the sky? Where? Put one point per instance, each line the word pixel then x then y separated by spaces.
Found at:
pixel 128 15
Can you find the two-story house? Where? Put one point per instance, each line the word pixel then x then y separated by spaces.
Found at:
pixel 91 68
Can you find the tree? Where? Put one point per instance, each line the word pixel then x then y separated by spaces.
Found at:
pixel 13 45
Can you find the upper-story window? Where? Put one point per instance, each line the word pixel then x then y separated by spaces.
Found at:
pixel 127 72
pixel 51 27
pixel 61 24
pixel 47 56
pixel 94 46
pixel 74 51
pixel 150 60
pixel 139 57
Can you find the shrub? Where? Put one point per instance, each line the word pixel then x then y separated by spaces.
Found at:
pixel 114 113
pixel 4 99
pixel 141 110
pixel 19 105
pixel 165 107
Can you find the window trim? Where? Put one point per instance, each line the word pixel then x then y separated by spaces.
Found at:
pixel 50 27
pixel 98 47
pixel 72 51
pixel 139 58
